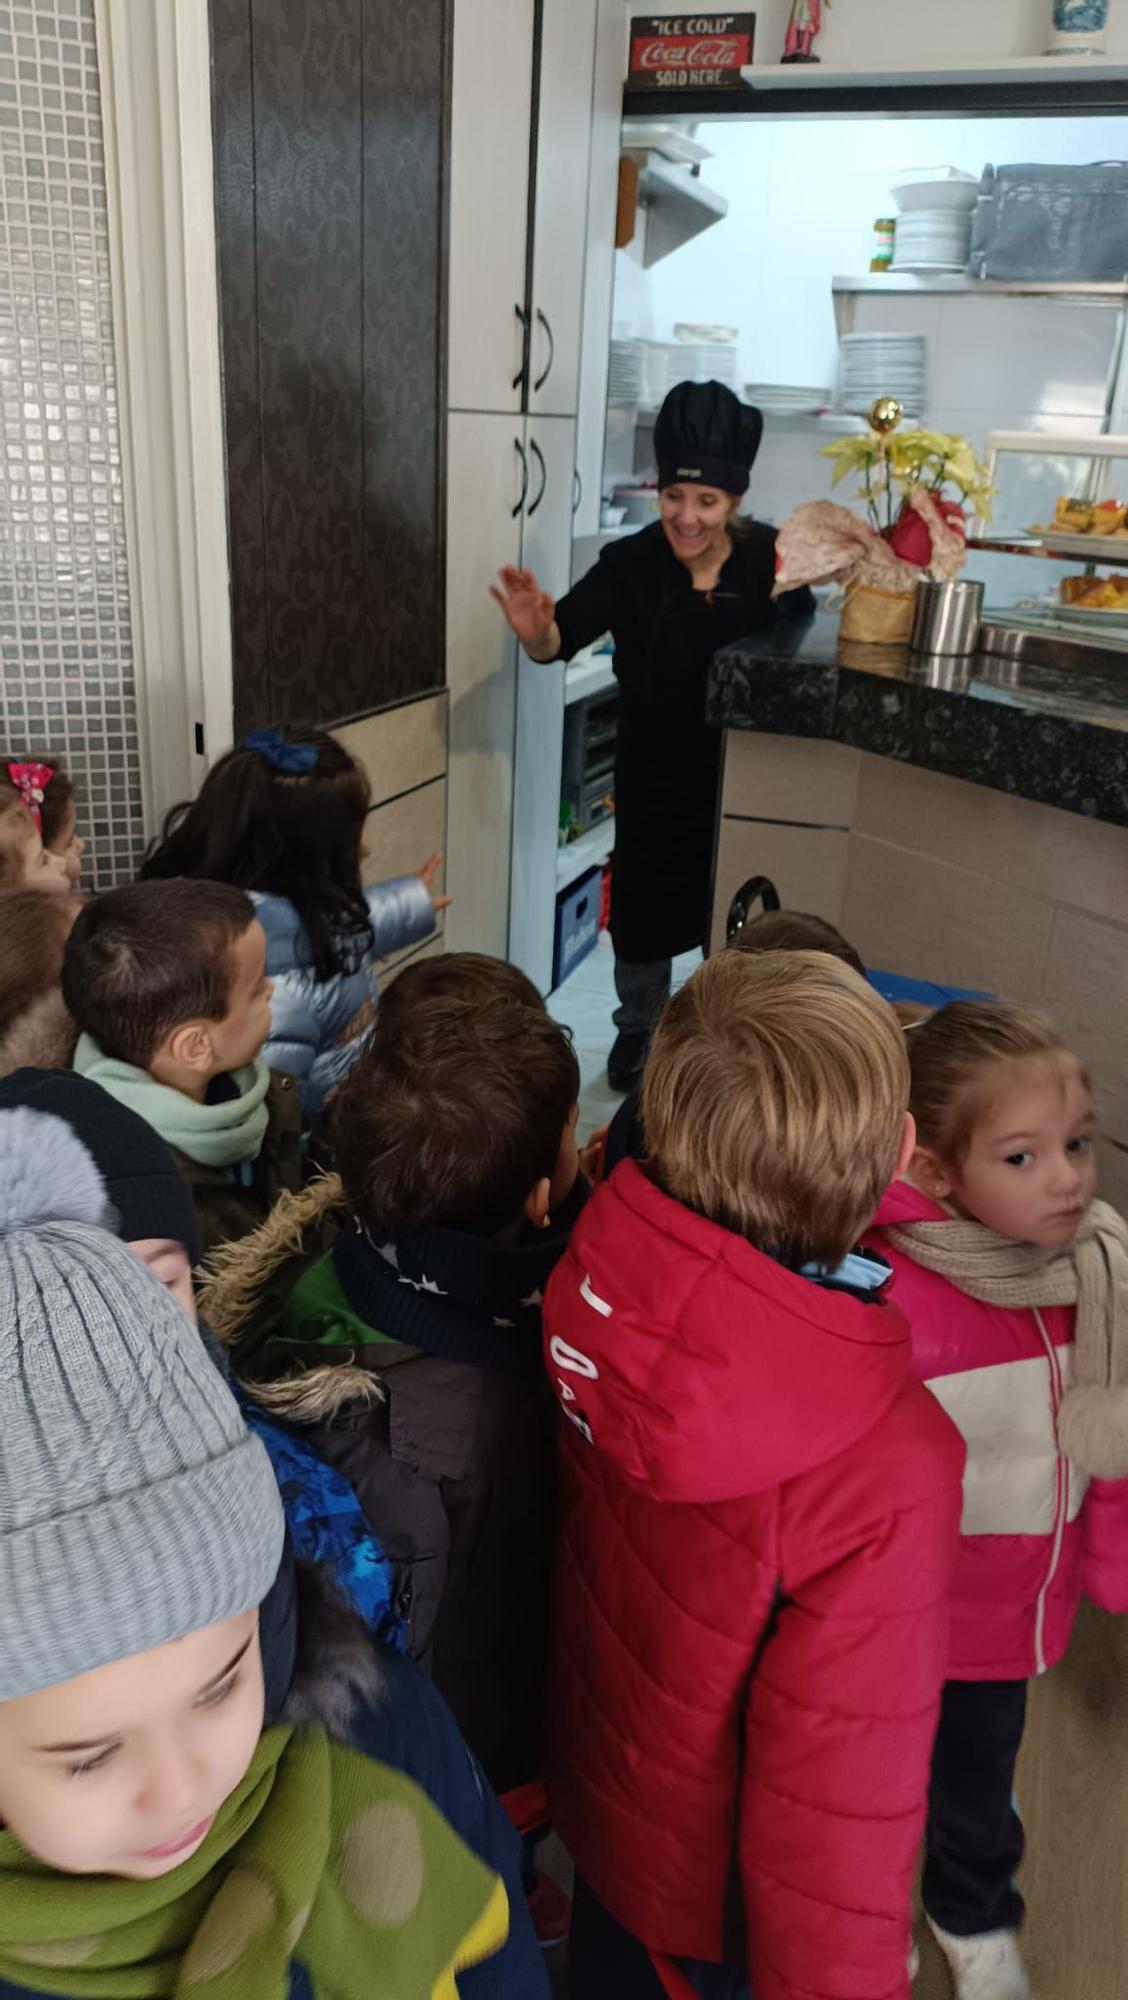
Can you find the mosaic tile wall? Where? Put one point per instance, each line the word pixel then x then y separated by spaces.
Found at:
pixel 66 663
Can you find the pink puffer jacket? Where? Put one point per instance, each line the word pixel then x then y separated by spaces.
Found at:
pixel 1035 1532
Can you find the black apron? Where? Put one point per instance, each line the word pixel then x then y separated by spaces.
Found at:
pixel 668 763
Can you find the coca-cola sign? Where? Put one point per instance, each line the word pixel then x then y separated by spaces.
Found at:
pixel 689 51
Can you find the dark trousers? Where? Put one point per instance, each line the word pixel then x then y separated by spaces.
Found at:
pixel 606 1963
pixel 643 991
pixel 975 1839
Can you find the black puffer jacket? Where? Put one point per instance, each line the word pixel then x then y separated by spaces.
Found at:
pixel 416 1371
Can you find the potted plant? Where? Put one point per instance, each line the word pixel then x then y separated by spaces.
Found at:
pixel 915 485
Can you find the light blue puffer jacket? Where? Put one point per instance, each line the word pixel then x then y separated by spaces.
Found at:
pixel 308 1016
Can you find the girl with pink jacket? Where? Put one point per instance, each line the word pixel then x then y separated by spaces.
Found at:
pixel 1014 1279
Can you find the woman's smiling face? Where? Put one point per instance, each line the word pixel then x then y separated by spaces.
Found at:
pixel 695 517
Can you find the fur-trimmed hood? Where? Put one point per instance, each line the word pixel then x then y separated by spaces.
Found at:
pixel 237 1298
pixel 319 1663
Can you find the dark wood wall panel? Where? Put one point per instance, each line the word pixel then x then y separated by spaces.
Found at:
pixel 331 124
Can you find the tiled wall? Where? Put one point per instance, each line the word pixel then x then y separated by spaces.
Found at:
pixel 67 666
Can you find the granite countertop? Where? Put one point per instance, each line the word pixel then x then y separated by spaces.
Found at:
pixel 1055 731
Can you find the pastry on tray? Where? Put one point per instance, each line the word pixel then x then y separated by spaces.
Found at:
pixel 1087 517
pixel 1095 593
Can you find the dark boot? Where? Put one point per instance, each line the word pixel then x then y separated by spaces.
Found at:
pixel 627 1059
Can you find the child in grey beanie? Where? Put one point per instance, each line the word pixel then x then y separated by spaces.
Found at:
pixel 135 1509
pixel 155 1837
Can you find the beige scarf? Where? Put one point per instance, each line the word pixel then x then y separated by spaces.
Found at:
pixel 1091 1274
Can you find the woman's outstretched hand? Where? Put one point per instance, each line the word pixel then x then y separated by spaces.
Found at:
pixel 526 608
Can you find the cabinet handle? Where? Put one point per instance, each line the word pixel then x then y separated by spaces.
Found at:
pixel 577 489
pixel 520 380
pixel 520 450
pixel 542 378
pixel 539 456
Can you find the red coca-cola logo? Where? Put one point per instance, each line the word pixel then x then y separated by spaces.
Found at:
pixel 721 52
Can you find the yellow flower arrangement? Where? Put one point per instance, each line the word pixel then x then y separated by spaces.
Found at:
pixel 892 464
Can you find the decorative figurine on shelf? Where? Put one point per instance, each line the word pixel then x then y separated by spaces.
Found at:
pixel 802 31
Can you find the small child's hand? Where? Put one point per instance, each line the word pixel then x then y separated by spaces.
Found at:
pixel 427 872
pixel 591 1155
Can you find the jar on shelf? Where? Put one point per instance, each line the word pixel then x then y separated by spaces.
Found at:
pixel 884 240
pixel 1078 27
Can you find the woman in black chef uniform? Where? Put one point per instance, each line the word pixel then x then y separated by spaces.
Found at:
pixel 696 579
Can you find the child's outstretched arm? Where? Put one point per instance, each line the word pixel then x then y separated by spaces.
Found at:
pixel 402 910
pixel 842 1712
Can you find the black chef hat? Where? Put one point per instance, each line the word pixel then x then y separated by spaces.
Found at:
pixel 704 436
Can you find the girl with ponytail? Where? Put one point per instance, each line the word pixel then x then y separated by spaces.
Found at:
pixel 282 816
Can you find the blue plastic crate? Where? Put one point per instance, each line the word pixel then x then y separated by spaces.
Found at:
pixel 577 924
pixel 893 986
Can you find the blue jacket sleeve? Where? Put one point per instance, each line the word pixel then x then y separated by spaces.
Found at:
pixel 401 913
pixel 412 1729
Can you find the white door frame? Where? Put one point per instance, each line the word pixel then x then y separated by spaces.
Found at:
pixel 155 68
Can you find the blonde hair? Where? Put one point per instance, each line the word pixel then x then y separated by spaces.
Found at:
pixel 774 1100
pixel 958 1057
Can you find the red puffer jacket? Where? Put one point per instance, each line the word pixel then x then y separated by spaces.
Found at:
pixel 759 1519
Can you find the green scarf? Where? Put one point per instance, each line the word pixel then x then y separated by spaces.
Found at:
pixel 213 1135
pixel 321 1855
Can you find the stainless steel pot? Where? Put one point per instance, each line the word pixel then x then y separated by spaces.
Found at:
pixel 947 616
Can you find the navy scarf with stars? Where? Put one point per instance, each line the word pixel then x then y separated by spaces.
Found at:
pixel 466 1298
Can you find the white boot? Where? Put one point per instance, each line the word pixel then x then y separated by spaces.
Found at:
pixel 984 1968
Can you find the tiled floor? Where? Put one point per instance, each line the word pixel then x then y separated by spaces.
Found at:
pixel 585 1004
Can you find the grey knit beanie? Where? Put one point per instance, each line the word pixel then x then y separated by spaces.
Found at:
pixel 134 1506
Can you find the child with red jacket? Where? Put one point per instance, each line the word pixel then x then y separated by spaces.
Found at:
pixel 1015 1283
pixel 759 1512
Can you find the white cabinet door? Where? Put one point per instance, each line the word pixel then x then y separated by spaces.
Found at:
pixel 599 262
pixel 491 110
pixel 546 532
pixel 547 549
pixel 563 144
pixel 484 488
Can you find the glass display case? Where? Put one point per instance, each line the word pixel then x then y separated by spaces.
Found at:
pixel 1061 499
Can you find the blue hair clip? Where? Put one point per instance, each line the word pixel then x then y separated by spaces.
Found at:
pixel 279 754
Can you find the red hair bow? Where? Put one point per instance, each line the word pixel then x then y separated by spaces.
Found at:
pixel 31 781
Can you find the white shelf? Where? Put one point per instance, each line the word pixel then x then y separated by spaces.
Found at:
pixel 589 673
pixel 591 850
pixel 677 206
pixel 958 281
pixel 976 69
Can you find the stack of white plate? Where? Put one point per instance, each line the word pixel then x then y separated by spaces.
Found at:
pixel 933 239
pixel 625 374
pixel 703 361
pixel 781 399
pixel 883 364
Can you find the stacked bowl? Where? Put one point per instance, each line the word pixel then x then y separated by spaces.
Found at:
pixel 934 226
